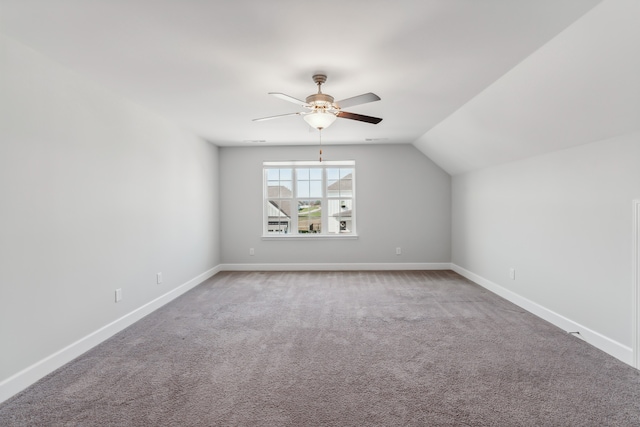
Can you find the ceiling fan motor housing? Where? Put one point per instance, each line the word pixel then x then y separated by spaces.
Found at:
pixel 320 100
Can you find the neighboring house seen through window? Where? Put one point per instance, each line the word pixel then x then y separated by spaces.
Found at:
pixel 309 198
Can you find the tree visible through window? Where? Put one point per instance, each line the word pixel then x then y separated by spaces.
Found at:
pixel 321 195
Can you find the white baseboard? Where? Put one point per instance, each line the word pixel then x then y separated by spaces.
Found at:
pixel 614 348
pixel 636 283
pixel 336 266
pixel 40 369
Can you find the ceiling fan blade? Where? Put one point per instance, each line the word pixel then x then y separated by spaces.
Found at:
pixel 357 100
pixel 275 117
pixel 289 98
pixel 359 117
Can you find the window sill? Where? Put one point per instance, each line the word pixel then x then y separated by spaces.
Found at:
pixel 311 237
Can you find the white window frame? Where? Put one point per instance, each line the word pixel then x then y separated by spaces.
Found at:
pixel 293 234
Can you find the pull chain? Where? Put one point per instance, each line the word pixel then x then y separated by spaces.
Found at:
pixel 320 132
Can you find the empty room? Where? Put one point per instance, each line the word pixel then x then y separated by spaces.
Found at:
pixel 337 213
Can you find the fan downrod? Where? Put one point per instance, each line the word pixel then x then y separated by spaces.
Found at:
pixel 320 100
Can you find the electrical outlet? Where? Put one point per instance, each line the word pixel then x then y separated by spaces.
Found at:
pixel 512 273
pixel 398 251
pixel 159 278
pixel 252 251
pixel 118 295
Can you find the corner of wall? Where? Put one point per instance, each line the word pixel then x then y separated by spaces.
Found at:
pixel 613 348
pixel 28 376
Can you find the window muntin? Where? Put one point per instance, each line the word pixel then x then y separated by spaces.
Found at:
pixel 322 196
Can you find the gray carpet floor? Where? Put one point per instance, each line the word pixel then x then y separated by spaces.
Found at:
pixel 411 348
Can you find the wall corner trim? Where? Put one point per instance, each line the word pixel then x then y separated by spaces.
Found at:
pixel 28 376
pixel 606 344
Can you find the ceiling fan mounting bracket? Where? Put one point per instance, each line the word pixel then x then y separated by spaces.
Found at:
pixel 320 100
pixel 319 78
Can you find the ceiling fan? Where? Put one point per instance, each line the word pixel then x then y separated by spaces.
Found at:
pixel 323 110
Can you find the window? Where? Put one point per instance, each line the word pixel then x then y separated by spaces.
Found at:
pixel 309 198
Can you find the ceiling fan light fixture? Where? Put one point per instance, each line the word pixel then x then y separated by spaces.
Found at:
pixel 320 119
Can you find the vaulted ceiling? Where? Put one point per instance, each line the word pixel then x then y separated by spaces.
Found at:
pixel 470 83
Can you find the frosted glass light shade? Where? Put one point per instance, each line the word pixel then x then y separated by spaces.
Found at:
pixel 320 119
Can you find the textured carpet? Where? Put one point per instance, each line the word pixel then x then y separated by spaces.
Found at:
pixel 336 349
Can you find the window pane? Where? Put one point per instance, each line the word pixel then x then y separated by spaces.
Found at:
pixel 340 188
pixel 279 189
pixel 344 173
pixel 279 183
pixel 309 216
pixel 273 189
pixel 340 216
pixel 333 173
pixel 286 190
pixel 346 188
pixel 285 175
pixel 315 173
pixel 309 182
pixel 279 216
pixel 315 189
pixel 303 188
pixel 273 174
pixel 302 173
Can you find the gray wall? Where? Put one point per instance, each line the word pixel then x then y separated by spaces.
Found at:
pixel 403 200
pixel 95 194
pixel 564 221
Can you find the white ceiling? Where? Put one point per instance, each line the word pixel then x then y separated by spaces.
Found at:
pixel 582 86
pixel 438 65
